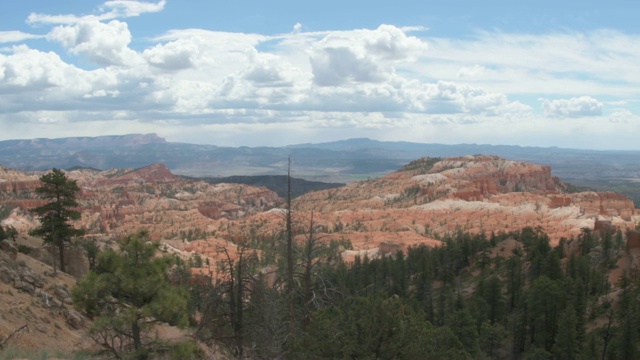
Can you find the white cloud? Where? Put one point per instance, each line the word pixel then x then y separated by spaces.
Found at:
pixel 28 70
pixel 624 116
pixel 103 43
pixel 362 55
pixel 32 80
pixel 130 8
pixel 108 11
pixel 599 62
pixel 574 107
pixel 389 82
pixel 391 43
pixel 471 71
pixel 334 66
pixel 269 70
pixel 176 55
pixel 17 36
pixel 446 97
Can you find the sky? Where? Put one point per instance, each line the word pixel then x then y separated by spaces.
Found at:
pixel 273 73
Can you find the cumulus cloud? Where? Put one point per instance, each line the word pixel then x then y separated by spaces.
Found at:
pixel 582 106
pixel 175 55
pixel 391 43
pixel 388 78
pixel 28 69
pixel 269 70
pixel 333 66
pixel 103 43
pixel 362 55
pixel 34 80
pixel 445 97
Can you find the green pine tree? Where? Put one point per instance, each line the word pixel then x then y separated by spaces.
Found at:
pixel 55 216
pixel 126 294
pixel 566 341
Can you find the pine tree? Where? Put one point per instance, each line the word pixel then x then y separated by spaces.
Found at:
pixel 464 327
pixel 566 341
pixel 515 280
pixel 544 299
pixel 127 293
pixel 55 216
pixel 628 337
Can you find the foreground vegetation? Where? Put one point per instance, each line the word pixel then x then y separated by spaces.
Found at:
pixel 473 298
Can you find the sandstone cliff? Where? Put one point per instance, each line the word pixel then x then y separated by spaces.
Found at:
pixel 417 204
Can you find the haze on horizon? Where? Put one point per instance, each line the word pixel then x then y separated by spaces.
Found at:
pixel 253 73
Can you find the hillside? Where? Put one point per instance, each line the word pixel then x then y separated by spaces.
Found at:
pixel 431 197
pixel 341 161
pixel 30 295
pixel 276 183
pixel 418 203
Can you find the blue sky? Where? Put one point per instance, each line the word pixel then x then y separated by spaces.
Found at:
pixel 530 73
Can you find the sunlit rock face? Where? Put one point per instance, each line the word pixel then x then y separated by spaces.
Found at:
pixel 116 202
pixel 432 197
pixel 417 204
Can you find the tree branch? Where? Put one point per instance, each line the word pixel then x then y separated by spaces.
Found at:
pixel 5 341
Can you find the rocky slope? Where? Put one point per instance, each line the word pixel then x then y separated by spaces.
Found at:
pixel 32 296
pixel 419 203
pixel 431 197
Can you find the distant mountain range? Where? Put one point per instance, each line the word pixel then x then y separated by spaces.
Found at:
pixel 339 161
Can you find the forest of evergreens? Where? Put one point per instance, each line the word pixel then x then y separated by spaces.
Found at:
pixel 458 301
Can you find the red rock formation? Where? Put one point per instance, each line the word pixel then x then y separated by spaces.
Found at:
pixel 19 186
pixel 415 205
pixel 633 240
pixel 152 173
pixel 474 193
pixel 389 248
pixel 603 226
pixel 559 201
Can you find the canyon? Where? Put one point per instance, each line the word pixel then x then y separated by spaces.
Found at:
pixel 418 204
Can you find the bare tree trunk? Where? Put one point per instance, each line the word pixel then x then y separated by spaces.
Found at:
pixel 289 235
pixel 5 341
pixel 239 307
pixel 137 340
pixel 307 286
pixel 606 337
pixel 61 250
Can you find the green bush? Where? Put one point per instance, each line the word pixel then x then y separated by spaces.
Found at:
pixel 25 249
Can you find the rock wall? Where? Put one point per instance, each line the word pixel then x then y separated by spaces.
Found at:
pixel 17 187
pixel 633 240
pixel 605 204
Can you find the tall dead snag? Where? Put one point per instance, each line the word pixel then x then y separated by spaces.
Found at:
pixel 314 254
pixel 290 264
pixel 307 285
pixel 223 309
